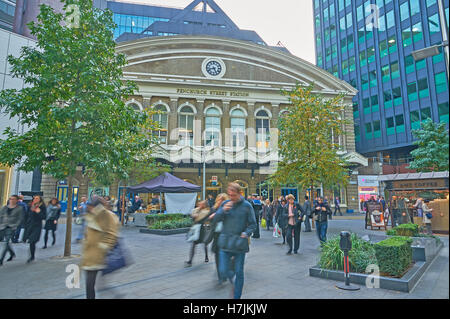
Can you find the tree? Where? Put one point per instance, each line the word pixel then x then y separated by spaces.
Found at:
pixel 307 140
pixel 432 151
pixel 73 101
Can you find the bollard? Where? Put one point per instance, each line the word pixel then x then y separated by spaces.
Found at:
pixel 346 245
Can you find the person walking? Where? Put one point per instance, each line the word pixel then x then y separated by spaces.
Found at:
pixel 239 223
pixel 281 220
pixel 24 206
pixel 220 199
pixel 211 200
pixel 257 207
pixel 293 214
pixel 102 233
pixel 337 206
pixel 82 208
pixel 11 216
pixel 33 227
pixel 51 220
pixel 321 211
pixel 266 213
pixel 426 220
pixel 200 216
pixel 307 211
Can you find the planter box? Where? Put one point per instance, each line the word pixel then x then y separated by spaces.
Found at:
pixel 139 219
pixel 421 255
pixel 164 231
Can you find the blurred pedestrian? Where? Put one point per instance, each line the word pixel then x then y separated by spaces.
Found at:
pixel 102 232
pixel 11 216
pixel 200 216
pixel 307 211
pixel 24 206
pixel 427 213
pixel 257 207
pixel 281 220
pixel 33 227
pixel 337 206
pixel 267 213
pixel 239 223
pixel 51 220
pixel 82 208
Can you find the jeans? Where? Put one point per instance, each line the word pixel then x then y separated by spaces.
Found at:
pixel 226 272
pixel 8 233
pixel 91 276
pixel 81 230
pixel 16 236
pixel 321 228
pixel 296 230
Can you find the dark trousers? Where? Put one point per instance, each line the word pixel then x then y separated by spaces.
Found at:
pixel 293 233
pixel 91 276
pixel 8 234
pixel 307 224
pixel 46 237
pixel 283 233
pixel 337 208
pixel 32 250
pixel 192 252
pixel 256 232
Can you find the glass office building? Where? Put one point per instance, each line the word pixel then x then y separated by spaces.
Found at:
pixel 7 9
pixel 369 45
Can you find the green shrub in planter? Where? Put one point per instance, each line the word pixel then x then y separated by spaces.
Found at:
pixel 410 230
pixel 360 256
pixel 394 255
pixel 172 224
pixel 153 218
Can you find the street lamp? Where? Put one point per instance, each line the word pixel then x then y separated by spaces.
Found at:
pixel 427 52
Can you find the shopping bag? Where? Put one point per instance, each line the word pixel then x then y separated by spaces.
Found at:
pixel 118 257
pixel 263 223
pixel 276 231
pixel 194 233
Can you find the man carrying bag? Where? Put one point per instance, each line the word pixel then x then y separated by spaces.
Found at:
pixel 239 223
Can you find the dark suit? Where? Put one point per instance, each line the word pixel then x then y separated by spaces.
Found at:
pixel 337 207
pixel 293 230
pixel 307 212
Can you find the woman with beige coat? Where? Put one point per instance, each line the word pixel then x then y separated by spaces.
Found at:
pixel 102 231
pixel 426 220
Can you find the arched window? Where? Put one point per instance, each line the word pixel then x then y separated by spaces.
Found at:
pixel 238 128
pixel 262 129
pixel 161 119
pixel 135 107
pixel 186 126
pixel 212 127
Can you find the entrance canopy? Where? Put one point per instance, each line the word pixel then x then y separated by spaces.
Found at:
pixel 165 183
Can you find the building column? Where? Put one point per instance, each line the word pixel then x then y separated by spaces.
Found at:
pixel 226 124
pixel 199 123
pixel 173 121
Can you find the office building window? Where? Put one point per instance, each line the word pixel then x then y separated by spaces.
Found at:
pixel 412 91
pixel 351 64
pixel 440 80
pixel 390 19
pixel 350 42
pixel 374 102
pixel 385 74
pixel 382 23
pixel 399 123
pixel 425 113
pixel 376 129
pixel 212 127
pixel 345 67
pixel 342 24
pixel 379 3
pixel 370 55
pixel 359 13
pixel 366 106
pixel 238 128
pixel 317 22
pixel 397 96
pixel 395 72
pixel 434 25
pixel 383 48
pixel 325 15
pixel 361 38
pixel 414 119
pixel 316 4
pixel 406 37
pixel 417 32
pixel 343 45
pixel 443 112
pixel 355 110
pixel 409 64
pixel 390 126
pixel 373 78
pixel 422 85
pixel 387 97
pixel 334 51
pixel 392 44
pixel 439 57
pixel 415 7
pixel 368 131
pixel 349 20
pixel 420 64
pixel 365 81
pixel 332 10
pixel 431 2
pixel 404 11
pixel 357 133
pixel 362 58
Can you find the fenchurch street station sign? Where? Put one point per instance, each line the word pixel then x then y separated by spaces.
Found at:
pixel 213 92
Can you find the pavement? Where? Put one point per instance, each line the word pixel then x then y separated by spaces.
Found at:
pixel 158 271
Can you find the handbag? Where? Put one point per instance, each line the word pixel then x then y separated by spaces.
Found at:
pixel 429 215
pixel 194 233
pixel 116 258
pixel 233 242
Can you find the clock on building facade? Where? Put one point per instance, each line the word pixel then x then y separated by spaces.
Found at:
pixel 213 68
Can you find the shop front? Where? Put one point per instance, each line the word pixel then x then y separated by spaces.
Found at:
pixel 5 180
pixel 368 186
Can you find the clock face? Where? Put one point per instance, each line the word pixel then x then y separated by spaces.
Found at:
pixel 213 68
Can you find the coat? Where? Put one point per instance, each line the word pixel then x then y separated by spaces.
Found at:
pixel 279 216
pixel 322 216
pixel 425 208
pixel 307 208
pixel 13 219
pixel 102 231
pixel 33 225
pixel 200 217
pixel 298 215
pixel 53 213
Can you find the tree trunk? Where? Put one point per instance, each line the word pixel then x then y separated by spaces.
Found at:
pixel 311 200
pixel 68 243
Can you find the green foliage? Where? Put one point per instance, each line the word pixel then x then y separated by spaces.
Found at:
pixel 360 256
pixel 409 230
pixel 394 255
pixel 168 221
pixel 438 240
pixel 73 100
pixel 433 146
pixel 306 148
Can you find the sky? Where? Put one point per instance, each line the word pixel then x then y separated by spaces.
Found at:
pixel 288 21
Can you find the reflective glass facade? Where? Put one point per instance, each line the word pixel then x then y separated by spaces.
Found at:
pixel 396 93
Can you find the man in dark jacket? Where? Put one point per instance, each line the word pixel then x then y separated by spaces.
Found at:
pixel 11 217
pixel 293 215
pixel 21 203
pixel 322 211
pixel 337 206
pixel 257 206
pixel 238 225
pixel 307 212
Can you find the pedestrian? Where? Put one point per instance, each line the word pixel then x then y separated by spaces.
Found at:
pixel 102 232
pixel 307 211
pixel 200 216
pixel 273 211
pixel 82 208
pixel 211 200
pixel 337 206
pixel 239 223
pixel 51 220
pixel 11 216
pixel 257 207
pixel 293 214
pixel 427 212
pixel 418 205
pixel 220 199
pixel 24 206
pixel 267 213
pixel 33 227
pixel 321 213
pixel 281 221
